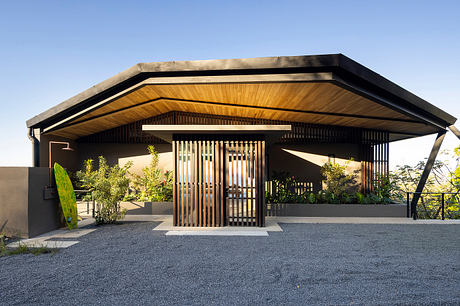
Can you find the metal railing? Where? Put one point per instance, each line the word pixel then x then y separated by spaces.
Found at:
pixel 434 205
pixel 86 192
pixel 298 188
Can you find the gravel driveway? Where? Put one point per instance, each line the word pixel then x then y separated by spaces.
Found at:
pixel 305 264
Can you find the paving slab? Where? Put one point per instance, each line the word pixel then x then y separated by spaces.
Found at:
pixel 48 239
pixel 217 233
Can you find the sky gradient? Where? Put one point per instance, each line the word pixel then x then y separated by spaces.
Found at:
pixel 52 50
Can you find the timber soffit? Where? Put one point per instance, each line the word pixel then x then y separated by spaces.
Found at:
pixel 345 68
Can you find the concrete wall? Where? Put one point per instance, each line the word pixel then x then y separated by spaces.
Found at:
pixel 67 159
pixel 14 197
pixel 23 210
pixel 44 215
pixel 116 153
pixel 305 161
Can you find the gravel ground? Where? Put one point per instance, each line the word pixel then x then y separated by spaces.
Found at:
pixel 306 264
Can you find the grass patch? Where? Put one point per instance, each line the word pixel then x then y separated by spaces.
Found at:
pixel 23 249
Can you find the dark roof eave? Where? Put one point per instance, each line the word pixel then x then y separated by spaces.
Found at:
pixel 244 66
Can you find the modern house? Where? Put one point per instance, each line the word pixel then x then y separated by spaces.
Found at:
pixel 224 126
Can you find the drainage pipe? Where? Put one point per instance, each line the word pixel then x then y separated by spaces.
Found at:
pixel 35 148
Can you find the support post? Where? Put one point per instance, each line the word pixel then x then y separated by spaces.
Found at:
pixel 407 203
pixel 426 171
pixel 455 131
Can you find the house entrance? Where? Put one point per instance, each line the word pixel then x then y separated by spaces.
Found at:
pixel 219 182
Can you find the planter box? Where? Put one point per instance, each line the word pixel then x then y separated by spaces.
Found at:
pixel 148 208
pixel 337 210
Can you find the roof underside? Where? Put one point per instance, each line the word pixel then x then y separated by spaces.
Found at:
pixel 330 90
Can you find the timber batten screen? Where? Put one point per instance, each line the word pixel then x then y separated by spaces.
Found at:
pixel 219 182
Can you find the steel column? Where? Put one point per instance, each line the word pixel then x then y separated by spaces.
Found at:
pixel 426 171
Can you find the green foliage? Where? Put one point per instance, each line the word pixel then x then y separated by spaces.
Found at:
pixel 384 190
pixel 361 198
pixel 311 198
pixel 284 189
pixel 444 177
pixel 22 248
pixel 109 185
pixel 337 180
pixel 153 185
pixel 340 188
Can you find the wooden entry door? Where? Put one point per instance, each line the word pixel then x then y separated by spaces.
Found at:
pixel 245 195
pixel 218 182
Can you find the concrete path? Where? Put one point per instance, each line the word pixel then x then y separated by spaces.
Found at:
pixel 57 239
pixel 167 225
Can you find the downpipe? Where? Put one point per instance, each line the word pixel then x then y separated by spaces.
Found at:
pixel 35 148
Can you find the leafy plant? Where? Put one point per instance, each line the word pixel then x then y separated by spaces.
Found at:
pixel 311 198
pixel 109 185
pixel 284 189
pixel 153 185
pixel 444 177
pixel 384 189
pixel 337 180
pixel 361 198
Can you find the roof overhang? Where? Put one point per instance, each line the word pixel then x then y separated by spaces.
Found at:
pixel 150 88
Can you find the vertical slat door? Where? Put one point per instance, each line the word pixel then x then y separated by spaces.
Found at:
pixel 219 182
pixel 198 183
pixel 245 163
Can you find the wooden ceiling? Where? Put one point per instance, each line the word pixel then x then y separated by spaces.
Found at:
pixel 318 103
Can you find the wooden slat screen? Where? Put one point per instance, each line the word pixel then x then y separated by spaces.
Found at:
pixel 374 151
pixel 218 182
pixel 245 182
pixel 198 183
pixel 301 132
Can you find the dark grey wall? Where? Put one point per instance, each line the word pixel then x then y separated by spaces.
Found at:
pixel 23 210
pixel 337 210
pixel 14 209
pixel 307 166
pixel 119 153
pixel 67 159
pixel 44 215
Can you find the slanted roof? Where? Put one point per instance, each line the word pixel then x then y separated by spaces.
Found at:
pixel 320 89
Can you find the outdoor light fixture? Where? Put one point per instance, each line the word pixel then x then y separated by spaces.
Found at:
pixel 66 148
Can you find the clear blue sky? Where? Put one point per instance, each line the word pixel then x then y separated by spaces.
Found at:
pixel 52 50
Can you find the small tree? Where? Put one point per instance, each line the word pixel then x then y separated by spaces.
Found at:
pixel 338 182
pixel 154 185
pixel 109 185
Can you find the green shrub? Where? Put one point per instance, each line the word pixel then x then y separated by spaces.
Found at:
pixel 384 189
pixel 284 189
pixel 153 185
pixel 311 198
pixel 109 185
pixel 337 180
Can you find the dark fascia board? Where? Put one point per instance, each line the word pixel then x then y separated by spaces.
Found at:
pixel 355 68
pixel 263 65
